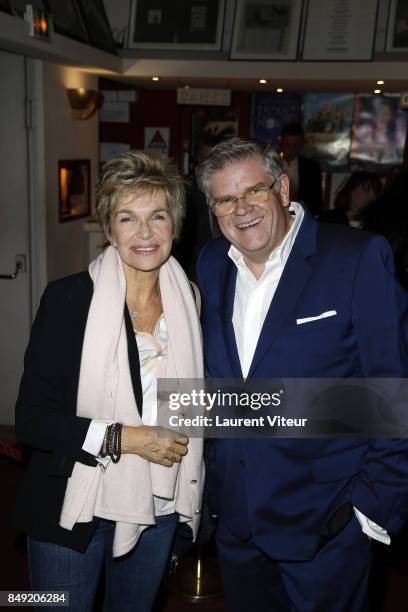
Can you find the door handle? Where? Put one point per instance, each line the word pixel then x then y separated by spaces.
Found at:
pixel 20 267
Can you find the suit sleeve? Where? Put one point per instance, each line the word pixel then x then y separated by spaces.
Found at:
pixel 46 406
pixel 380 308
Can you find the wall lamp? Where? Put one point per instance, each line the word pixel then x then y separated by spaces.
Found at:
pixel 84 102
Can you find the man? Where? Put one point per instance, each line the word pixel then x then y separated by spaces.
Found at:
pixel 284 297
pixel 304 174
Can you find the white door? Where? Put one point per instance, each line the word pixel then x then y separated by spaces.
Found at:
pixel 15 307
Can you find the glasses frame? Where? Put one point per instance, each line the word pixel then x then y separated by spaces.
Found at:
pixel 242 196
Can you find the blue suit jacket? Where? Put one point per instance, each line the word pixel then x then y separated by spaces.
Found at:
pixel 288 488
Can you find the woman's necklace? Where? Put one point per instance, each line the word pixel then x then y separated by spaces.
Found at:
pixel 135 314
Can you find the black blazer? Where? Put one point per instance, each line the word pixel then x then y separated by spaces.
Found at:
pixel 46 418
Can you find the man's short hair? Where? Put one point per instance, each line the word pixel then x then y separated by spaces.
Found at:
pixel 233 151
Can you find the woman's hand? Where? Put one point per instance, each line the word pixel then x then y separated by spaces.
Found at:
pixel 155 444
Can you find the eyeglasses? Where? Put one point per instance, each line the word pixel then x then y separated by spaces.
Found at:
pixel 252 196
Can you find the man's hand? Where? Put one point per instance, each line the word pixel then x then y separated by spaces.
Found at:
pixel 156 444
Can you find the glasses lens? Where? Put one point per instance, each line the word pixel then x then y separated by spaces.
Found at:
pixel 257 196
pixel 223 207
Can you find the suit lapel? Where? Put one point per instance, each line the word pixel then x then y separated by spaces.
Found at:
pixel 228 280
pixel 292 282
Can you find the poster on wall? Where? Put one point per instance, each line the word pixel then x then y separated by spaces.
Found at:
pixel 397 32
pixel 185 24
pixel 379 130
pixel 266 29
pixel 74 189
pixel 270 112
pixel 334 30
pixel 157 140
pixel 327 119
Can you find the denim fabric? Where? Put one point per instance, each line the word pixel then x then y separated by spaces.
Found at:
pixel 132 581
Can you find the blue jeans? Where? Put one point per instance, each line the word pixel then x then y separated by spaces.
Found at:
pixel 132 581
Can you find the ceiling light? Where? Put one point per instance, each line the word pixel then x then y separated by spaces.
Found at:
pixel 377 91
pixel 279 90
pixel 263 81
pixel 155 78
pixel 380 82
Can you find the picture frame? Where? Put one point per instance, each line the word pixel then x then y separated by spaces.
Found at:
pixel 186 24
pixel 97 25
pixel 74 189
pixel 397 30
pixel 18 7
pixel 67 19
pixel 333 37
pixel 266 30
pixel 5 6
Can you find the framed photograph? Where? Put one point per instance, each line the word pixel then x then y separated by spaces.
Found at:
pixel 266 29
pixel 397 32
pixel 185 24
pixel 67 19
pixel 5 6
pixel 334 33
pixel 97 25
pixel 18 7
pixel 74 188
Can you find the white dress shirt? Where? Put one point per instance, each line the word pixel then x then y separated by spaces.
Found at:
pixel 152 358
pixel 252 301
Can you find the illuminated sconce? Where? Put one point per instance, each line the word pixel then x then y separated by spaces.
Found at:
pixel 84 102
pixel 39 22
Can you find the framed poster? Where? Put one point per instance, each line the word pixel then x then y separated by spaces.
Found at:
pixel 4 6
pixel 185 24
pixel 97 25
pixel 18 7
pixel 270 112
pixel 397 32
pixel 266 29
pixel 334 30
pixel 67 19
pixel 74 188
pixel 379 130
pixel 327 119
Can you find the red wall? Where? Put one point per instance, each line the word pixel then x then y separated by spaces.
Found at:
pixel 159 108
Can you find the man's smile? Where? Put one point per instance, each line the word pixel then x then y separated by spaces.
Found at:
pixel 249 224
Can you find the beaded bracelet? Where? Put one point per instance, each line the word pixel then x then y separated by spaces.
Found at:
pixel 112 442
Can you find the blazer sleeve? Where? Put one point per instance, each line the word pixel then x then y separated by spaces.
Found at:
pixel 380 310
pixel 46 407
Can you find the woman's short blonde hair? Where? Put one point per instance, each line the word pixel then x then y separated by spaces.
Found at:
pixel 134 174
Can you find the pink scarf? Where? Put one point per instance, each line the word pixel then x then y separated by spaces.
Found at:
pixel 123 492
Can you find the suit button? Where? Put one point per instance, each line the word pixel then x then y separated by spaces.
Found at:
pixel 194 482
pixel 198 511
pixel 242 462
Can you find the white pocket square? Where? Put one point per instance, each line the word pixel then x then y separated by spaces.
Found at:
pixel 324 315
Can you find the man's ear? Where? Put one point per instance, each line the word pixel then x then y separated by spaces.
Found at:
pixel 284 190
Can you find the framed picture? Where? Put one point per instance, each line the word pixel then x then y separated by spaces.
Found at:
pixel 332 33
pixel 97 25
pixel 18 7
pixel 4 6
pixel 266 29
pixel 67 19
pixel 397 32
pixel 74 188
pixel 185 24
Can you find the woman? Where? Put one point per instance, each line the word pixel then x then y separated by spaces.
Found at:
pixel 360 189
pixel 104 486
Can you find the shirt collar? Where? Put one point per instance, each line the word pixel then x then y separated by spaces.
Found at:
pixel 281 253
